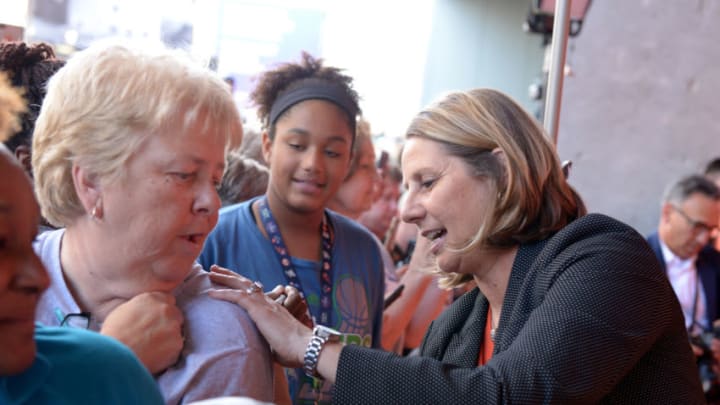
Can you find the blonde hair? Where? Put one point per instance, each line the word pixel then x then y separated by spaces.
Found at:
pixel 534 199
pixel 362 135
pixel 105 102
pixel 11 105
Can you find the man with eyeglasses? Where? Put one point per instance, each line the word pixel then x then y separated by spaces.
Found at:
pixel 689 216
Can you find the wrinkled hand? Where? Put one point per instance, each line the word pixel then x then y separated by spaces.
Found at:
pixel 291 299
pixel 286 335
pixel 150 324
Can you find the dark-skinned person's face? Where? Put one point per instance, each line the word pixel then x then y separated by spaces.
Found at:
pixel 310 155
pixel 22 276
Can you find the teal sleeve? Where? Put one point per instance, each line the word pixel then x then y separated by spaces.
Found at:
pixel 89 368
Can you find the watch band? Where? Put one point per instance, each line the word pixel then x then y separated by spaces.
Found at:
pixel 321 335
pixel 312 355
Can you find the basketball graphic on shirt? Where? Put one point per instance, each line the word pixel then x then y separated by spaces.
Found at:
pixel 351 300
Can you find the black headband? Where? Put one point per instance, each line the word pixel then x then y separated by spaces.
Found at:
pixel 314 89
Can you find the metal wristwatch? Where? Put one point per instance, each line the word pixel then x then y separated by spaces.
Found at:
pixel 321 335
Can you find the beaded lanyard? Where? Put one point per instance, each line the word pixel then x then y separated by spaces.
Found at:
pixel 281 251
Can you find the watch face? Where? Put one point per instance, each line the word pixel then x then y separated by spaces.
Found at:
pixel 327 333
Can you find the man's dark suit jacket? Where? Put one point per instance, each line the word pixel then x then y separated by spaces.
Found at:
pixel 588 317
pixel 708 267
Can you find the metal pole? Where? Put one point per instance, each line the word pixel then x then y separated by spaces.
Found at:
pixel 561 26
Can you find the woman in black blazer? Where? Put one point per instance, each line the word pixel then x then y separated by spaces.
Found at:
pixel 569 308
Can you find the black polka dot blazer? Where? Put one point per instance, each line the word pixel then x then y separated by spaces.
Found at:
pixel 588 317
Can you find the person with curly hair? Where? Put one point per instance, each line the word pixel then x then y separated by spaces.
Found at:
pixel 11 105
pixel 29 67
pixel 287 236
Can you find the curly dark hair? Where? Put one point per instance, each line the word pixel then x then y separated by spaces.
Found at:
pixel 289 75
pixel 29 67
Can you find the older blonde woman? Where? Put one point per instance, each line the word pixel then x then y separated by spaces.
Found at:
pixel 129 148
pixel 569 308
pixel 38 364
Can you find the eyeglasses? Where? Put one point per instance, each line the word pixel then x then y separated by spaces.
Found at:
pixel 80 320
pixel 698 227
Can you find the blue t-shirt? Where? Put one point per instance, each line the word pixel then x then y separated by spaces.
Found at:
pixel 357 274
pixel 74 366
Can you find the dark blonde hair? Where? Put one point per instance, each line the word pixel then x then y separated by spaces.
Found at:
pixel 534 199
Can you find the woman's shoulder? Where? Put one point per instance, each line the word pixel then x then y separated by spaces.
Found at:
pixel 198 307
pixel 598 241
pixel 596 230
pixel 596 223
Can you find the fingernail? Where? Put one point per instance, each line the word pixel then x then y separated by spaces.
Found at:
pixel 281 299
